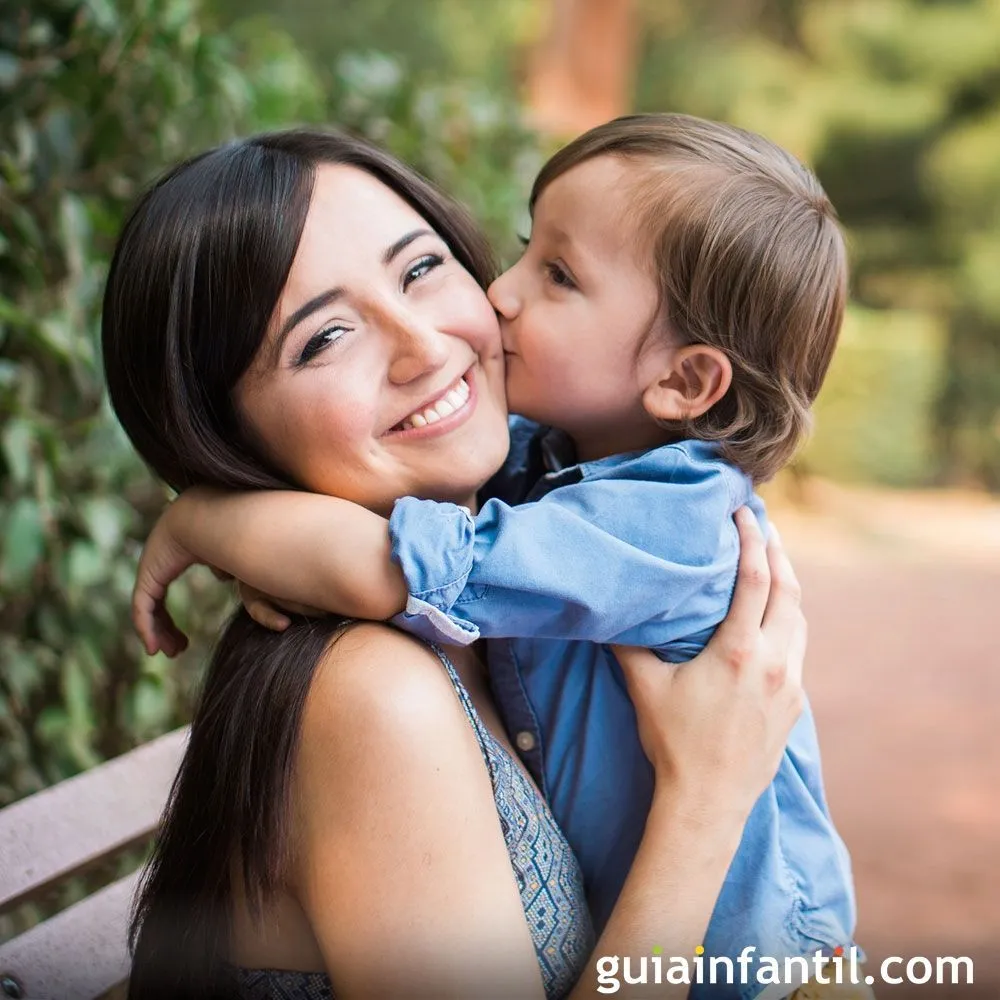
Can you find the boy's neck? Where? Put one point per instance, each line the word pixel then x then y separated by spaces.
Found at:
pixel 593 446
pixel 470 503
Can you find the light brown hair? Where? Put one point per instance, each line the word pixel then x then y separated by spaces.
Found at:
pixel 745 247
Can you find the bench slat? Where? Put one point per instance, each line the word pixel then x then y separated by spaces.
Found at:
pixel 80 953
pixel 67 827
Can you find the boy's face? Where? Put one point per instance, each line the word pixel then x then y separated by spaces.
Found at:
pixel 582 328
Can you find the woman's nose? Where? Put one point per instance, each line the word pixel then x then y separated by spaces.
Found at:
pixel 418 349
pixel 503 294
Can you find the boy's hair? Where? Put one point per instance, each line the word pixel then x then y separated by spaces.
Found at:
pixel 749 259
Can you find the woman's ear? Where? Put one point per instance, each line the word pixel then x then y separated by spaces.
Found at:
pixel 697 377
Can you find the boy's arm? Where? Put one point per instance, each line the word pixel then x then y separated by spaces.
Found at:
pixel 646 558
pixel 301 548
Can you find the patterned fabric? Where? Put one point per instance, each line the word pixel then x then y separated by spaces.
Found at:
pixel 548 878
pixel 274 984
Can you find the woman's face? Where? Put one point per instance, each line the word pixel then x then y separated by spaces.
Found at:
pixel 381 374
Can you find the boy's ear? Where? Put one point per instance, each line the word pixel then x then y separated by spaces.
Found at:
pixel 697 377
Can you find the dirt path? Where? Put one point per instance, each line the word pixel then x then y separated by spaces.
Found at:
pixel 903 600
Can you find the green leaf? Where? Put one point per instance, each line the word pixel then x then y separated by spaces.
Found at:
pixel 107 519
pixel 23 543
pixel 21 673
pixel 10 70
pixel 17 441
pixel 150 705
pixel 9 313
pixel 85 564
pixel 103 14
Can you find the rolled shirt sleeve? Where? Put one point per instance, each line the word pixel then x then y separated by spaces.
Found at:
pixel 433 543
pixel 643 554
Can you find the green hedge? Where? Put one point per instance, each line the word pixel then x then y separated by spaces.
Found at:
pixel 875 415
pixel 96 98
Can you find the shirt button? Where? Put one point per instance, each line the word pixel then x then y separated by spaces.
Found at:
pixel 525 741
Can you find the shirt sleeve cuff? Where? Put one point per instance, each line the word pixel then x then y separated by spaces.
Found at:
pixel 433 625
pixel 433 544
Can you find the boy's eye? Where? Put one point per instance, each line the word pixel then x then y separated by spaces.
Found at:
pixel 320 342
pixel 421 267
pixel 523 240
pixel 559 276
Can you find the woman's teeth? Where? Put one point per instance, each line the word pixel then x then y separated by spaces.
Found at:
pixel 454 399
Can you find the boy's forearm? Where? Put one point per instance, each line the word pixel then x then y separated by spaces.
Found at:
pixel 300 547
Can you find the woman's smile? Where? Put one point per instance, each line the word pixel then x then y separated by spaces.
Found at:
pixel 445 411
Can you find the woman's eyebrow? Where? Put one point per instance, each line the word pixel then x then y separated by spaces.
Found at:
pixel 402 243
pixel 306 310
pixel 332 294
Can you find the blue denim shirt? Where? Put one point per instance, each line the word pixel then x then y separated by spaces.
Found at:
pixel 639 549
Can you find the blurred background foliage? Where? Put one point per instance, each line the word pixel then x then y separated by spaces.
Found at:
pixel 895 102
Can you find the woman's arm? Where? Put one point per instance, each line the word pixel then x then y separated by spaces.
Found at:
pixel 400 863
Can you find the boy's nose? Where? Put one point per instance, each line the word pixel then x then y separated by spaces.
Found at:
pixel 503 295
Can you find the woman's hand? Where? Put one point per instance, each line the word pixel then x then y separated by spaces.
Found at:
pixel 715 727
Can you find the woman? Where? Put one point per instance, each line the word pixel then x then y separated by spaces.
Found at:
pixel 275 310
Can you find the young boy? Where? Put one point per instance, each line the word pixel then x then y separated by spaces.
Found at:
pixel 673 315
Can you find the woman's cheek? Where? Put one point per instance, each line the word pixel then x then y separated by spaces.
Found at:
pixel 474 316
pixel 330 430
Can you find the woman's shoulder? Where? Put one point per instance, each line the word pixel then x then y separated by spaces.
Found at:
pixel 379 688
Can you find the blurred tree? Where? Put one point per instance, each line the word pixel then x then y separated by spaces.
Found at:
pixel 454 41
pixel 434 81
pixel 581 72
pixel 96 98
pixel 897 105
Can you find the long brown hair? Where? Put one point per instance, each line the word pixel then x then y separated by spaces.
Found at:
pixel 748 256
pixel 195 279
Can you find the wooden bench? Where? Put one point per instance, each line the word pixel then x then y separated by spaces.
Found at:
pixel 80 953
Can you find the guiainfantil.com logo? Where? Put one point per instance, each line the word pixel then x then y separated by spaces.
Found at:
pixel 823 968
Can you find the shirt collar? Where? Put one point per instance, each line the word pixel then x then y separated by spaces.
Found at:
pixel 558 455
pixel 558 451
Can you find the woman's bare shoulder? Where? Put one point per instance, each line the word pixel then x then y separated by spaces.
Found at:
pixel 377 687
pixel 396 830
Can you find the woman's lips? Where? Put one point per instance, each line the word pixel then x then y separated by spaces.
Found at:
pixel 421 427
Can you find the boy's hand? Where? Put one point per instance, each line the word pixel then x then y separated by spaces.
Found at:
pixel 163 560
pixel 270 612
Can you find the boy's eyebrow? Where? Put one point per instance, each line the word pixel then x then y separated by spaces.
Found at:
pixel 564 242
pixel 551 231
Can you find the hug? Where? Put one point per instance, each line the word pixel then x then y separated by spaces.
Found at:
pixel 508 693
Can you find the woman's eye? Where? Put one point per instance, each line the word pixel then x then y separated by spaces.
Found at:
pixel 421 267
pixel 559 276
pixel 325 338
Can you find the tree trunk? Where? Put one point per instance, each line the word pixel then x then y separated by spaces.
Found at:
pixel 581 74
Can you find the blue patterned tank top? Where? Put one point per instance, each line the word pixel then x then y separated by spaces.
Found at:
pixel 548 878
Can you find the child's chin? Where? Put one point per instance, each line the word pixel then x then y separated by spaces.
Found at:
pixel 522 403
